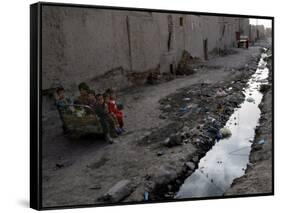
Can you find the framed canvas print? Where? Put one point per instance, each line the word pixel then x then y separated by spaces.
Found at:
pixel 133 105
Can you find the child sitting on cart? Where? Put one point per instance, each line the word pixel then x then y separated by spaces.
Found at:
pixel 92 99
pixel 113 109
pixel 86 98
pixel 106 121
pixel 83 98
pixel 112 116
pixel 63 104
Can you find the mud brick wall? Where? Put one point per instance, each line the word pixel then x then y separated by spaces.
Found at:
pixel 84 44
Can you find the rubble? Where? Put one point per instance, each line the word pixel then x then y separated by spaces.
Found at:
pixel 184 67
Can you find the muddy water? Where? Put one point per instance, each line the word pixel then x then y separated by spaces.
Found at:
pixel 229 157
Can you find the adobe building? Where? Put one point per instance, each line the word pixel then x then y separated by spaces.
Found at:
pixel 107 47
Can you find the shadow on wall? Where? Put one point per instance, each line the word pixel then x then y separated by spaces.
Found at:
pixel 120 78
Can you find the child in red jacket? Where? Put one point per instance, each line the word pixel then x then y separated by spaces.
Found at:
pixel 112 107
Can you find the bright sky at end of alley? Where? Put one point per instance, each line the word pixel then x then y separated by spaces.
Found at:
pixel 265 22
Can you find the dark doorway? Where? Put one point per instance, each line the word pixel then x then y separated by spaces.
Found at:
pixel 170 31
pixel 181 21
pixel 169 41
pixel 205 48
pixel 171 69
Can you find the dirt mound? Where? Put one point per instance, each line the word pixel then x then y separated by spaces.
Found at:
pixel 184 66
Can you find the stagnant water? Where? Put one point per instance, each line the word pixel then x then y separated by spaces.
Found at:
pixel 229 157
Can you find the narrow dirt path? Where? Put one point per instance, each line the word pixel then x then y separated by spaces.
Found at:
pixel 142 107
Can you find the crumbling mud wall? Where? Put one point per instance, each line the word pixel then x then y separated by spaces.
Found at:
pixel 80 43
pixel 113 47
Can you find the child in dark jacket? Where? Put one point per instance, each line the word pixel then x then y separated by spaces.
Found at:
pixel 92 99
pixel 83 98
pixel 107 124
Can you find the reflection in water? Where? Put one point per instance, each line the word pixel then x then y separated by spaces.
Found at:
pixel 229 157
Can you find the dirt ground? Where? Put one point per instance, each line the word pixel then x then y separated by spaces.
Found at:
pixel 82 171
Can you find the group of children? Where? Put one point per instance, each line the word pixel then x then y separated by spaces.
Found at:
pixel 104 105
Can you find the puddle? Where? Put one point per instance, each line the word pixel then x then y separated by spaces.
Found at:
pixel 229 157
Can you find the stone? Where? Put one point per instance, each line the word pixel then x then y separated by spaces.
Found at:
pixel 95 187
pixel 160 153
pixel 250 99
pixel 178 181
pixel 186 141
pixel 225 132
pixel 173 140
pixel 195 158
pixel 167 107
pixel 170 187
pixel 197 140
pixel 220 93
pixel 183 135
pixel 250 164
pixel 190 165
pixel 166 141
pixel 189 172
pixel 257 147
pixel 194 132
pixel 185 129
pixel 118 192
pixel 164 174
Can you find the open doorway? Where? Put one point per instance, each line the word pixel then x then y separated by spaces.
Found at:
pixel 205 48
pixel 171 69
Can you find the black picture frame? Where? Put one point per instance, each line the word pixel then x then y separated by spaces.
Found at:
pixel 36 100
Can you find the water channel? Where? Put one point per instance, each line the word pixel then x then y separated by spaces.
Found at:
pixel 229 157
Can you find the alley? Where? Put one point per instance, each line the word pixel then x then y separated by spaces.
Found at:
pixel 88 168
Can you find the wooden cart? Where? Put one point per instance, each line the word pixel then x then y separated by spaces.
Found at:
pixel 78 124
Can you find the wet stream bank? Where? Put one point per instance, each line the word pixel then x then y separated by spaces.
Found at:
pixel 229 157
pixel 208 107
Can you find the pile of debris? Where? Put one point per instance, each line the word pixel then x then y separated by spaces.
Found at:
pixel 150 76
pixel 184 66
